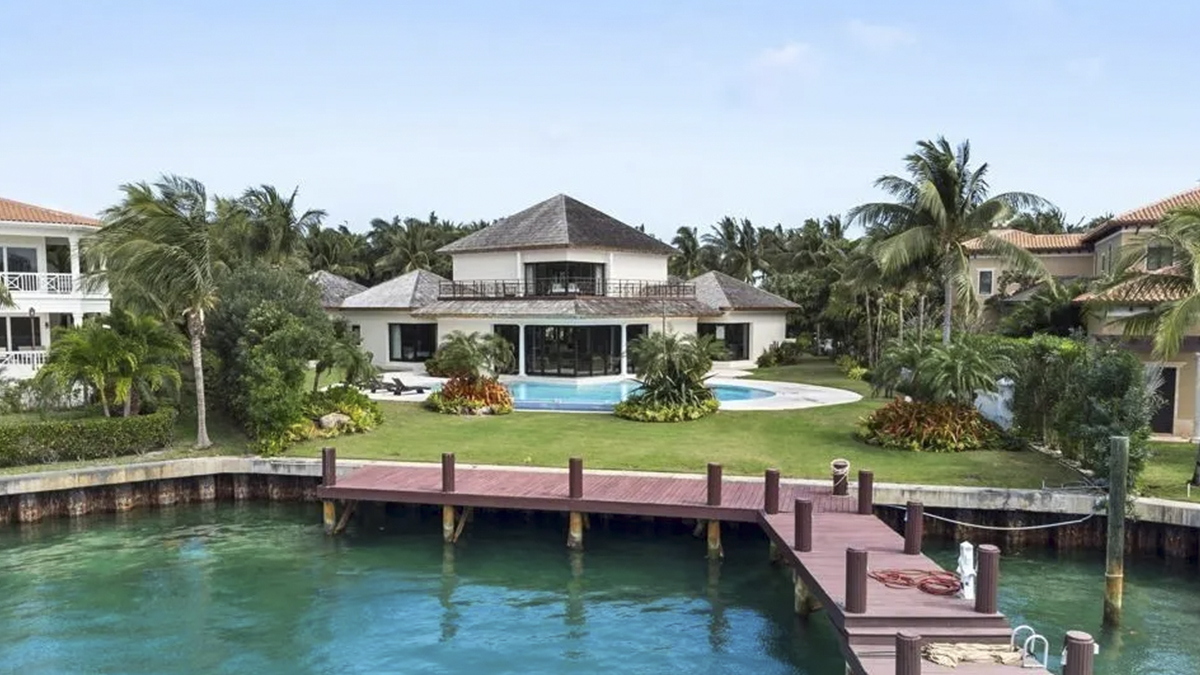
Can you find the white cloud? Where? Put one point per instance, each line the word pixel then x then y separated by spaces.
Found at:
pixel 879 37
pixel 1087 69
pixel 796 57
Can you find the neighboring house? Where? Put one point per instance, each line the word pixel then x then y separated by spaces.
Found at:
pixel 1093 254
pixel 41 269
pixel 570 287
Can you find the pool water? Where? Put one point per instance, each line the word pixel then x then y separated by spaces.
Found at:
pixel 603 395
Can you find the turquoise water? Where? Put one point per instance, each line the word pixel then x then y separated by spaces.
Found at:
pixel 259 589
pixel 603 396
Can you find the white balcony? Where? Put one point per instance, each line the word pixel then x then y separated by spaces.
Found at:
pixel 21 364
pixel 50 283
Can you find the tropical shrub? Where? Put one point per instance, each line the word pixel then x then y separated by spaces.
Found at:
pixel 472 362
pixel 786 353
pixel 857 373
pixel 37 395
pixel 936 372
pixel 928 426
pixel 845 362
pixel 672 370
pixel 54 440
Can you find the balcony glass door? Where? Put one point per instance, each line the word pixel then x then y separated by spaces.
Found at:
pixel 564 278
pixel 21 268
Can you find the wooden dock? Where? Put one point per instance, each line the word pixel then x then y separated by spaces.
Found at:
pixel 838 523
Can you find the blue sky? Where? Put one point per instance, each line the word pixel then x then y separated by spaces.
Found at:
pixel 663 113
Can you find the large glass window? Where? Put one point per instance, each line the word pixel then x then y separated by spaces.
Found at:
pixel 573 351
pixel 564 278
pixel 411 341
pixel 734 338
pixel 632 332
pixel 16 261
pixel 26 332
pixel 1158 257
pixel 511 334
pixel 985 282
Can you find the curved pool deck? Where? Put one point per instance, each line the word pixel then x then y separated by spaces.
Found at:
pixel 785 395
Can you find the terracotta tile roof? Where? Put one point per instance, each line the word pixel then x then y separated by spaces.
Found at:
pixel 1139 291
pixel 1150 214
pixel 28 213
pixel 1031 242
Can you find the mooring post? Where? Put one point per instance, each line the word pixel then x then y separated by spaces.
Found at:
pixel 575 478
pixel 329 479
pixel 866 493
pixel 447 472
pixel 840 469
pixel 856 580
pixel 802 533
pixel 575 491
pixel 908 653
pixel 714 484
pixel 771 491
pixel 328 467
pixel 714 540
pixel 914 528
pixel 1114 559
pixel 987 580
pixel 1080 654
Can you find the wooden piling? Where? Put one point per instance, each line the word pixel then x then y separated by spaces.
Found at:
pixel 328 467
pixel 771 491
pixel 856 580
pixel 447 472
pixel 1080 654
pixel 1114 558
pixel 987 580
pixel 866 493
pixel 714 484
pixel 802 534
pixel 575 531
pixel 575 477
pixel 914 528
pixel 329 516
pixel 908 653
pixel 714 540
pixel 448 524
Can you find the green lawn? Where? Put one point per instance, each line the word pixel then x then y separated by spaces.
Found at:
pixel 800 443
pixel 1169 470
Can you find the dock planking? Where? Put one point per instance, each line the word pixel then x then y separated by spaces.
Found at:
pixel 868 638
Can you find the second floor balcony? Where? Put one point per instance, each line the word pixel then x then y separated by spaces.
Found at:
pixel 563 287
pixel 50 283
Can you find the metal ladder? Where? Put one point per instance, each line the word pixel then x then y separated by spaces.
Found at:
pixel 1028 656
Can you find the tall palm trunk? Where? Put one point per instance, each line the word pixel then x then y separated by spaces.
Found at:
pixel 1196 469
pixel 878 329
pixel 195 323
pixel 948 312
pixel 870 332
pixel 900 317
pixel 921 317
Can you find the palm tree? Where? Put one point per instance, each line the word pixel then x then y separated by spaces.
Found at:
pixel 475 356
pixel 339 251
pixel 409 244
pixel 693 258
pixel 736 246
pixel 156 351
pixel 1167 322
pixel 672 368
pixel 89 355
pixel 156 248
pixel 276 231
pixel 942 204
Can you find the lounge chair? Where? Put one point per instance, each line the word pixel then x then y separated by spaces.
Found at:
pixel 397 387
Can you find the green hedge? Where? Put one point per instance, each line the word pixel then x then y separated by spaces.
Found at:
pixel 40 442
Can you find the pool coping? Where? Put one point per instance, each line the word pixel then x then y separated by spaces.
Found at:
pixel 787 395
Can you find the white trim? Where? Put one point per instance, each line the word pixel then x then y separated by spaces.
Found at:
pixel 979 287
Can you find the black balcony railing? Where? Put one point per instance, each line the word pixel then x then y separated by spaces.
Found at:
pixel 507 289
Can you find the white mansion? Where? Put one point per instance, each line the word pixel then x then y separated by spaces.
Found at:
pixel 41 271
pixel 567 285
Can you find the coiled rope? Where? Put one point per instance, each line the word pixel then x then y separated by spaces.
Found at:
pixel 840 469
pixel 933 582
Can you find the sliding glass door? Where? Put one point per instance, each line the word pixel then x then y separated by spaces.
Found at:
pixel 573 351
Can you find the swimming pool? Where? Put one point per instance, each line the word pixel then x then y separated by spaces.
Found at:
pixel 602 396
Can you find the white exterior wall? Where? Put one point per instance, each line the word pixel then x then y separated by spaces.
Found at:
pixel 640 266
pixel 448 325
pixel 487 265
pixel 765 328
pixel 511 264
pixel 373 329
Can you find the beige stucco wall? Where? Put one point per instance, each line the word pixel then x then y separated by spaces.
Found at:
pixel 1057 264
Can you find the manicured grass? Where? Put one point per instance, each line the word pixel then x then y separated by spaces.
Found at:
pixel 800 443
pixel 1169 470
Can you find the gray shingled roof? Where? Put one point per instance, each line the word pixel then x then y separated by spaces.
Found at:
pixel 722 291
pixel 407 291
pixel 559 222
pixel 334 288
pixel 615 307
